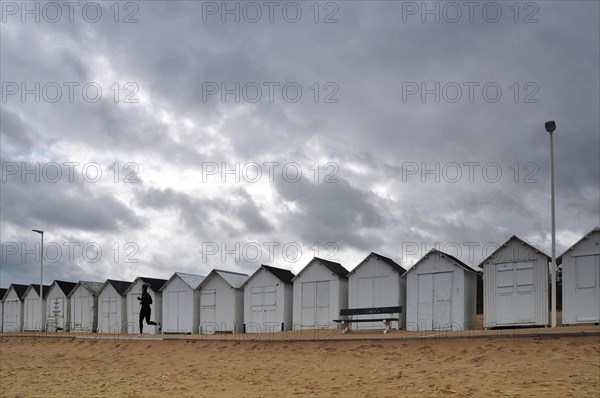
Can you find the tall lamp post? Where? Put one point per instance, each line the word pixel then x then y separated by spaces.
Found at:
pixel 41 280
pixel 550 127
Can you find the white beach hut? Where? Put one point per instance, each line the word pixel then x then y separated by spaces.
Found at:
pixel 581 280
pixel 2 292
pixel 133 305
pixel 441 293
pixel 181 303
pixel 320 291
pixel 222 302
pixel 84 306
pixel 376 282
pixel 31 311
pixel 13 308
pixel 268 295
pixel 515 285
pixel 58 306
pixel 112 307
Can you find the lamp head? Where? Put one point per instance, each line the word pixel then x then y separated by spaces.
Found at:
pixel 38 231
pixel 550 126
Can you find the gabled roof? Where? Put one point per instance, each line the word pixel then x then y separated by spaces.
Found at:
pixel 234 279
pixel 92 287
pixel 119 286
pixel 2 292
pixel 193 281
pixel 586 236
pixel 332 266
pixel 450 257
pixel 283 275
pixel 505 244
pixel 36 288
pixel 155 284
pixel 19 289
pixel 385 259
pixel 65 287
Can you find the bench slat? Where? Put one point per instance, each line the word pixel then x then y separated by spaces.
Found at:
pixel 370 311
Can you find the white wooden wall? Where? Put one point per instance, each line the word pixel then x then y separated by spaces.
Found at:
pixel 180 307
pixel 57 310
pixel 325 301
pixel 515 287
pixel 581 282
pixel 13 312
pixel 267 303
pixel 221 306
pixel 376 284
pixel 112 311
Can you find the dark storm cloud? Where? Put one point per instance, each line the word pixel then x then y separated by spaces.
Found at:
pixel 331 212
pixel 210 219
pixel 77 205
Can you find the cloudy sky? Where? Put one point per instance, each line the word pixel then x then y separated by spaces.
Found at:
pixel 149 137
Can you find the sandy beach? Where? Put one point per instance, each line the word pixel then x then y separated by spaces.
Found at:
pixel 488 367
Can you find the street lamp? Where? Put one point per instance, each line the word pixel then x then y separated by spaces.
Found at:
pixel 550 127
pixel 41 280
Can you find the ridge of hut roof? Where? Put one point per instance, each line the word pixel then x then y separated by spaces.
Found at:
pixel 449 256
pixel 119 286
pixel 234 279
pixel 92 287
pixel 385 259
pixel 284 275
pixel 65 287
pixel 36 288
pixel 19 289
pixel 337 268
pixel 514 237
pixel 584 237
pixel 192 280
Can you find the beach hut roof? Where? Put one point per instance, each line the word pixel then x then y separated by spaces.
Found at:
pixel 92 287
pixel 450 257
pixel 65 287
pixel 334 267
pixel 193 281
pixel 586 236
pixel 514 237
pixel 19 289
pixel 283 275
pixel 119 286
pixel 155 284
pixel 385 259
pixel 37 289
pixel 234 279
pixel 2 293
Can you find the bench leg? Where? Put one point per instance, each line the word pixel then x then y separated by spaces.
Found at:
pixel 387 327
pixel 347 327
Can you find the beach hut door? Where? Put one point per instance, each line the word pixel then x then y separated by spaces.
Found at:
pixel 208 301
pixel 434 303
pixel 31 314
pixel 588 290
pixel 514 293
pixel 11 311
pixel 263 303
pixel 315 304
pixel 109 315
pixel 57 315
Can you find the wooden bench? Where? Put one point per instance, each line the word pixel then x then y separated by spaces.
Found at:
pixel 349 312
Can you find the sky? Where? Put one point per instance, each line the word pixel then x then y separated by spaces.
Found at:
pixel 153 137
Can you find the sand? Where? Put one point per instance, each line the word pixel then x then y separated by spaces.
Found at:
pixel 494 367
